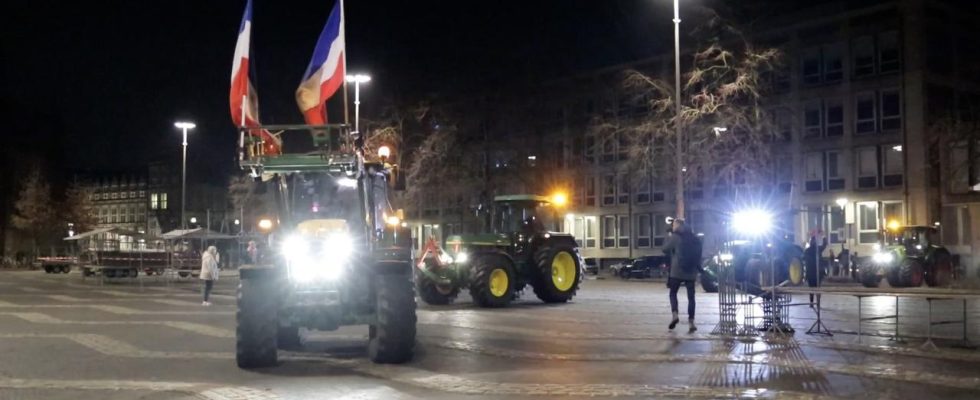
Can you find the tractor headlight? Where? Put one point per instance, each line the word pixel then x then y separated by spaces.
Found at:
pixel 326 262
pixel 883 258
pixel 752 222
pixel 445 258
pixel 462 258
pixel 726 257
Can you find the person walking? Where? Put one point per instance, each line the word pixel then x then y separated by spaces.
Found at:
pixel 811 259
pixel 209 272
pixel 684 249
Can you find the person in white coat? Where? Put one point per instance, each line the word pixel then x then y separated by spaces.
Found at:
pixel 209 271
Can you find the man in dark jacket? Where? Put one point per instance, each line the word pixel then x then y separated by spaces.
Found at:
pixel 811 258
pixel 684 249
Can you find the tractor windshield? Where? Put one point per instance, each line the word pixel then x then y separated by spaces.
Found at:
pixel 521 215
pixel 322 196
pixel 908 237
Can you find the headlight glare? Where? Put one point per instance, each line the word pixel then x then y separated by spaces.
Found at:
pixel 883 258
pixel 462 258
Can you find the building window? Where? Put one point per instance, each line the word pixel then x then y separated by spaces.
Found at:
pixel 867 167
pixel 609 231
pixel 578 230
pixel 888 54
pixel 643 227
pixel 891 110
pixel 813 172
pixel 784 124
pixel 864 114
pixel 163 201
pixel 623 189
pixel 659 230
pixel 892 166
pixel 590 232
pixel 608 149
pixel 624 231
pixel 115 195
pixel 811 66
pixel 836 225
pixel 835 173
pixel 893 211
pixel 659 196
pixel 95 196
pixel 784 174
pixel 833 64
pixel 643 190
pixel 811 120
pixel 959 167
pixel 863 49
pixel 834 117
pixel 608 190
pixel 589 149
pixel 623 146
pixel 154 201
pixel 590 191
pixel 695 221
pixel 142 194
pixel 868 223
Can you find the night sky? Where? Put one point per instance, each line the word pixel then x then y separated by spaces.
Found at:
pixel 102 82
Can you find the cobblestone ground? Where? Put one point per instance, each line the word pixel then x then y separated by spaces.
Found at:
pixel 62 337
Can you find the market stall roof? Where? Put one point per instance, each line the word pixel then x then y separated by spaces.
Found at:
pixel 118 231
pixel 196 233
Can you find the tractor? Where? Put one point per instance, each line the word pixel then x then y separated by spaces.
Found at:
pixel 337 252
pixel 495 266
pixel 754 262
pixel 908 256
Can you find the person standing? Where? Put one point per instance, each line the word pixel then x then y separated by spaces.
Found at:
pixel 684 249
pixel 811 259
pixel 209 272
pixel 253 252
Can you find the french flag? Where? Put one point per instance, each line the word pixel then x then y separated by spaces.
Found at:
pixel 326 71
pixel 243 99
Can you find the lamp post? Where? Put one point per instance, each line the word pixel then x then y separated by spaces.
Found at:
pixel 357 80
pixel 184 126
pixel 678 152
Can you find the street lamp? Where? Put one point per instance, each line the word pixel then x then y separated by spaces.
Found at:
pixel 679 150
pixel 184 126
pixel 357 80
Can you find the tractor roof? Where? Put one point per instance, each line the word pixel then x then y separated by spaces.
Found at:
pixel 522 197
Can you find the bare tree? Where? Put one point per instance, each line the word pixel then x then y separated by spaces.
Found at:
pixel 79 207
pixel 724 87
pixel 956 137
pixel 34 210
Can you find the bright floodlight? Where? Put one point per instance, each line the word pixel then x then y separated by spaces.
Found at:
pixel 559 199
pixel 358 78
pixel 185 125
pixel 841 202
pixel 752 222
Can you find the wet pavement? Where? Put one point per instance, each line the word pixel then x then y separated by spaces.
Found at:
pixel 62 337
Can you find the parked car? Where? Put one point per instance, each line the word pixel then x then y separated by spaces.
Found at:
pixel 591 266
pixel 642 267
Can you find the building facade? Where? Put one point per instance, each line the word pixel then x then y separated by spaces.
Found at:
pixel 858 108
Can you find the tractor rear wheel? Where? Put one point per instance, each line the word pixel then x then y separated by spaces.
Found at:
pixel 257 328
pixel 796 272
pixel 392 338
pixel 940 273
pixel 907 274
pixel 559 273
pixel 492 281
pixel 868 275
pixel 757 276
pixel 432 292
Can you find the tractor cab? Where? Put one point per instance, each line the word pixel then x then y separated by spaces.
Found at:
pixel 529 214
pixel 915 240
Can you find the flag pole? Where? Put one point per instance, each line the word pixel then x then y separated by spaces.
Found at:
pixel 343 33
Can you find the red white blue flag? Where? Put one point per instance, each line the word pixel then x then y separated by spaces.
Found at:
pixel 243 99
pixel 326 71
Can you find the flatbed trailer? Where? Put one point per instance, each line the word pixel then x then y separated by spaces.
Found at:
pixel 55 265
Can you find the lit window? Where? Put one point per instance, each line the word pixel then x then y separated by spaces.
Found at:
pixel 835 175
pixel 659 230
pixel 609 231
pixel 590 190
pixel 643 190
pixel 590 232
pixel 891 166
pixel 643 227
pixel 867 167
pixel 623 189
pixel 813 170
pixel 868 223
pixel 163 201
pixel 608 190
pixel 623 231
pixel 154 201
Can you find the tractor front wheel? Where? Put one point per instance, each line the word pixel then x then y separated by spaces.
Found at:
pixel 392 338
pixel 940 273
pixel 559 273
pixel 492 281
pixel 907 274
pixel 868 275
pixel 796 271
pixel 257 327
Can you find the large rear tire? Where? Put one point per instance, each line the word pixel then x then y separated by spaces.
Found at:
pixel 392 338
pixel 757 276
pixel 796 272
pixel 492 281
pixel 559 273
pixel 940 273
pixel 432 292
pixel 257 327
pixel 868 276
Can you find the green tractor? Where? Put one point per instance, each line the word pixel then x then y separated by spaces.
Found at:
pixel 909 256
pixel 495 266
pixel 337 253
